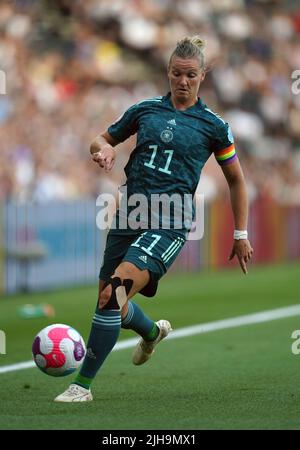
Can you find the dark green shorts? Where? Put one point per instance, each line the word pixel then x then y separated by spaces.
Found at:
pixel 154 250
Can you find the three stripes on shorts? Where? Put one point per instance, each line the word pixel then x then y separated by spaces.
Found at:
pixel 172 249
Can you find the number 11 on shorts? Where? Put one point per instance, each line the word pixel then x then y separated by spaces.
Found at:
pixel 148 249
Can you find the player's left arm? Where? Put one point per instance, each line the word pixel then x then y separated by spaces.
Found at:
pixel 239 202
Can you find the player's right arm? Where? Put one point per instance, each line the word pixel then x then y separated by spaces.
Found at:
pixel 102 150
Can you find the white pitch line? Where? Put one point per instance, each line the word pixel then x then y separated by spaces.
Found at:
pixel 260 317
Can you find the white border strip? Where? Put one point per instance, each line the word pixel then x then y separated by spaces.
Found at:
pixel 264 316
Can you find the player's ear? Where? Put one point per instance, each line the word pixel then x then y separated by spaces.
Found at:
pixel 203 75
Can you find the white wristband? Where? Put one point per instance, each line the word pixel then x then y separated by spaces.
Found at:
pixel 238 234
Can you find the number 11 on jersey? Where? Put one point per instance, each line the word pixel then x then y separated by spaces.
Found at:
pixel 168 162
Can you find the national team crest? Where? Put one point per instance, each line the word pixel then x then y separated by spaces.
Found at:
pixel 166 135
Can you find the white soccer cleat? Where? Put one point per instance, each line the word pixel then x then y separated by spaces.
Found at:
pixel 75 393
pixel 145 349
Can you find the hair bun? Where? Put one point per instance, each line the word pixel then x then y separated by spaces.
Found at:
pixel 190 47
pixel 197 41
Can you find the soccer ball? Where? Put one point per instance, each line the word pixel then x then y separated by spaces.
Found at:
pixel 58 350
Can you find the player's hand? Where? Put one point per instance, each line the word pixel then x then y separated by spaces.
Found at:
pixel 243 251
pixel 105 157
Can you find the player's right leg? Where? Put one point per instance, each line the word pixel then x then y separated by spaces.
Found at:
pixel 113 295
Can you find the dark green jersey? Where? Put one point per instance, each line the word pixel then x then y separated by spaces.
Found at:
pixel 172 146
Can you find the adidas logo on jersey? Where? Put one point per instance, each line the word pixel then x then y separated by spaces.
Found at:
pixel 172 122
pixel 143 258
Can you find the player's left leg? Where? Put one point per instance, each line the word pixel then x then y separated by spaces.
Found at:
pixel 155 250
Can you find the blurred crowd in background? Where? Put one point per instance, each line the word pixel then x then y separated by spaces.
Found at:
pixel 72 67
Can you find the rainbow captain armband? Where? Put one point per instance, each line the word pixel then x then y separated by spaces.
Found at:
pixel 226 156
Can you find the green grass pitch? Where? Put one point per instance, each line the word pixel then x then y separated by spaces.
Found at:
pixel 239 378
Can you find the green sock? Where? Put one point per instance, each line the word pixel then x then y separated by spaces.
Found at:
pixel 139 322
pixel 83 381
pixel 153 333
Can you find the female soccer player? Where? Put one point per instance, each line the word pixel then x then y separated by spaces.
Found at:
pixel 176 134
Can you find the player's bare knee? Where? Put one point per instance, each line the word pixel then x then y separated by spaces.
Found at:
pixel 127 270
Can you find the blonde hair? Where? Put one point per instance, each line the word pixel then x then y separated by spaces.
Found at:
pixel 190 47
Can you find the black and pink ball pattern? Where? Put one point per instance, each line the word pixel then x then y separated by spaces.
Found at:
pixel 58 350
